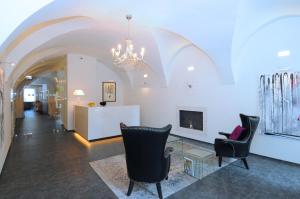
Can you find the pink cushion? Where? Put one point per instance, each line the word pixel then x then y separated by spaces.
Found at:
pixel 236 133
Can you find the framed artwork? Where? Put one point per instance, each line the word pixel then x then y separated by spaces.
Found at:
pixel 109 91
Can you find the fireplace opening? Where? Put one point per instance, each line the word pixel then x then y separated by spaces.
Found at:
pixel 191 119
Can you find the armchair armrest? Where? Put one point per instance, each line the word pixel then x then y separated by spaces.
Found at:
pixel 168 152
pixel 231 147
pixel 225 134
pixel 235 142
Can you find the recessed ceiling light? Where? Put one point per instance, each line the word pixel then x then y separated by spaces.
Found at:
pixel 190 68
pixel 145 75
pixel 9 63
pixel 284 69
pixel 284 53
pixel 28 77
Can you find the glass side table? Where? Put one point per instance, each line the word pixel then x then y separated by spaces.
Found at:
pixel 176 143
pixel 198 161
pixel 195 160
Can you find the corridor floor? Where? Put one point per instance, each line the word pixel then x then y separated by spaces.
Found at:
pixel 46 162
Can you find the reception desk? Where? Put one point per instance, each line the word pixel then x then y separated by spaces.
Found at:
pixel 94 123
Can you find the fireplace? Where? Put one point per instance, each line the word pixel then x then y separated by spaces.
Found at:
pixel 191 119
pixel 191 122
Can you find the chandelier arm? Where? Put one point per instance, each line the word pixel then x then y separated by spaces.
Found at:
pixel 128 32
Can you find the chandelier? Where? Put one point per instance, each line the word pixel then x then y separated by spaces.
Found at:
pixel 127 56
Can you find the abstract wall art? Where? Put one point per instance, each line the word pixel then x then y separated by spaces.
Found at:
pixel 280 104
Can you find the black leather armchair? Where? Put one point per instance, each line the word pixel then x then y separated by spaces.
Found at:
pixel 237 148
pixel 146 157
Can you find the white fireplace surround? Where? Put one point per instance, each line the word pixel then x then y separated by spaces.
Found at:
pixel 191 133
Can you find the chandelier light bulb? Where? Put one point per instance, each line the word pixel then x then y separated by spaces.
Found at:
pixel 119 46
pixel 142 52
pixel 190 68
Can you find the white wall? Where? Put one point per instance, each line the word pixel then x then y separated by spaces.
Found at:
pixel 86 73
pixel 158 105
pixel 224 102
pixel 259 56
pixel 4 146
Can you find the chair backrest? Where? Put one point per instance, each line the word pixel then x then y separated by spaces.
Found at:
pixel 144 148
pixel 250 123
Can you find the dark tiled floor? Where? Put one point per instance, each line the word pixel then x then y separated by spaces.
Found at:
pixel 49 164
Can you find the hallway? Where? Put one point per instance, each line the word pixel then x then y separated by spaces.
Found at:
pixel 50 164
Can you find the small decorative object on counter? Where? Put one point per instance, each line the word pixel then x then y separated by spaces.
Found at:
pixel 91 104
pixel 103 103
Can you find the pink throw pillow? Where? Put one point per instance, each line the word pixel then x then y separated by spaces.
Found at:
pixel 236 133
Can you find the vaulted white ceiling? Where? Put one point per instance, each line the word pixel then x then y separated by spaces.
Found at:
pixel 13 13
pixel 219 28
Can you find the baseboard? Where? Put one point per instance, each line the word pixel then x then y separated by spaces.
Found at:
pixel 110 137
pixel 6 148
pixel 175 135
pixel 65 129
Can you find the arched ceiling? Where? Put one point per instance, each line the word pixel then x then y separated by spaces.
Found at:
pixel 92 27
pixel 40 69
pixel 186 19
pixel 253 17
pixel 14 12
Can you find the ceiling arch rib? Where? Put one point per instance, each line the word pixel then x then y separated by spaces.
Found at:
pixel 22 36
pixel 170 45
pixel 33 59
pixel 39 69
pixel 40 37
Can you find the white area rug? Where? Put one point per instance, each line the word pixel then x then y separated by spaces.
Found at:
pixel 113 172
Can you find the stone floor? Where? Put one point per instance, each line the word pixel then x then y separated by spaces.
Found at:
pixel 51 164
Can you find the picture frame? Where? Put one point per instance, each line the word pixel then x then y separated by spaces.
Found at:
pixel 109 90
pixel 189 166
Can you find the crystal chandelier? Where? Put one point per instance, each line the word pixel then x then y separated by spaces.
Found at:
pixel 127 56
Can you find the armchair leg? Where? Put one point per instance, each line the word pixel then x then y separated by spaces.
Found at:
pixel 131 184
pixel 245 163
pixel 220 161
pixel 159 190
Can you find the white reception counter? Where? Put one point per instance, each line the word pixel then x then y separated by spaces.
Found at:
pixel 94 123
